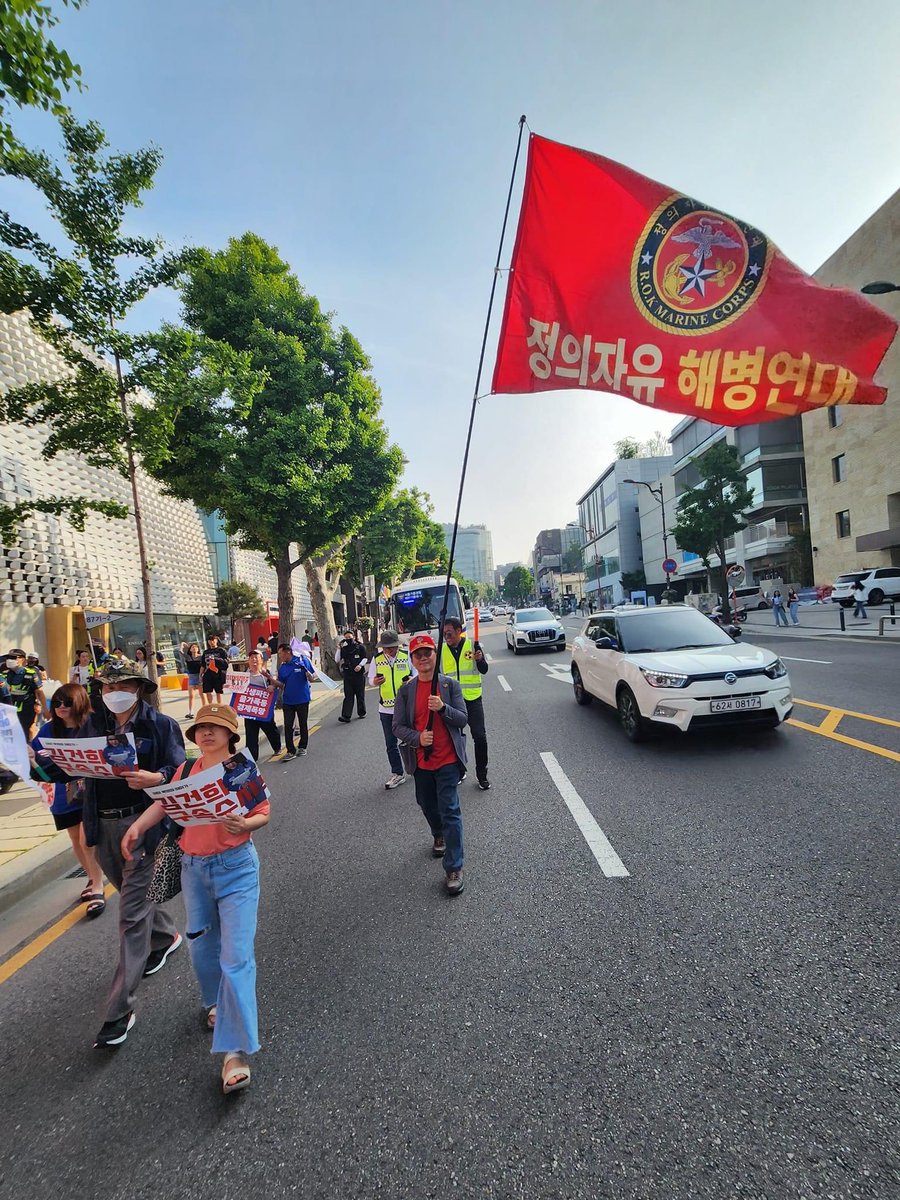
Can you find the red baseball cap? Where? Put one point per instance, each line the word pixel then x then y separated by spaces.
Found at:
pixel 420 640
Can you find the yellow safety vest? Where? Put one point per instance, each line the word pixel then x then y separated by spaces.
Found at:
pixel 464 669
pixel 394 671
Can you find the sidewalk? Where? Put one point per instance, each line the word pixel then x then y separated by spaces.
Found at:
pixel 33 853
pixel 823 620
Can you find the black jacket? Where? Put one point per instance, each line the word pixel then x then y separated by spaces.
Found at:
pixel 352 654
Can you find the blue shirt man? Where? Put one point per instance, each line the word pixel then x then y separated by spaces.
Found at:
pixel 295 672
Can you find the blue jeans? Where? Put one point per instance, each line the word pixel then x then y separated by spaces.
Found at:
pixel 860 610
pixel 794 616
pixel 780 614
pixel 438 797
pixel 390 743
pixel 221 896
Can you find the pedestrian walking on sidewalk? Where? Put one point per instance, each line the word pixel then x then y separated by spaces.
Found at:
pixel 147 934
pixel 193 665
pixel 793 604
pixel 213 666
pixel 81 671
pixel 859 598
pixel 778 608
pixel 436 756
pixel 295 673
pixel 390 668
pixel 261 678
pixel 351 657
pixel 465 661
pixel 70 707
pixel 220 882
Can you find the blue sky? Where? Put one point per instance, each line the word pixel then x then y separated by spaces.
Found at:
pixel 372 143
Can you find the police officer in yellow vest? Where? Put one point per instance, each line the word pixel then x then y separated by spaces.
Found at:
pixel 387 670
pixel 465 661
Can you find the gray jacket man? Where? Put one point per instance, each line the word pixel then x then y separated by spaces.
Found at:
pixel 454 713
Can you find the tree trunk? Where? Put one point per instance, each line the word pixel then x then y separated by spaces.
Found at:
pixel 285 572
pixel 320 593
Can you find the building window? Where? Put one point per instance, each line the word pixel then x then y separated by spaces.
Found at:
pixel 839 468
pixel 835 417
pixel 842 520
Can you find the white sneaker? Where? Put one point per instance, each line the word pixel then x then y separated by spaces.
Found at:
pixel 394 781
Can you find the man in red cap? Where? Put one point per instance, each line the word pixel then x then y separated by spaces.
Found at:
pixel 434 757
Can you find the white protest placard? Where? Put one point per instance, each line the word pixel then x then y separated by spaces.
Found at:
pixel 229 789
pixel 237 681
pixel 14 747
pixel 94 758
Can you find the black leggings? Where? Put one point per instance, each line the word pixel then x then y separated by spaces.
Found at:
pixel 251 733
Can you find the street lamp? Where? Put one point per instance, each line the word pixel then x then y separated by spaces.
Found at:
pixel 657 494
pixel 879 287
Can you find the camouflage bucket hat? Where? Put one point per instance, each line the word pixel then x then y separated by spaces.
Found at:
pixel 124 669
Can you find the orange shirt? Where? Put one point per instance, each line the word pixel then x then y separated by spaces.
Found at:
pixel 204 840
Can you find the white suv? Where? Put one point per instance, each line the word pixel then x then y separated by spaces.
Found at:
pixel 879 584
pixel 673 666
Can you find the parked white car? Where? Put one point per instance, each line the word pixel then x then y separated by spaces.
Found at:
pixel 534 629
pixel 879 584
pixel 673 666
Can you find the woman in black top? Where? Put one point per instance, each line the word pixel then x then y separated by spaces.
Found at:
pixel 193 662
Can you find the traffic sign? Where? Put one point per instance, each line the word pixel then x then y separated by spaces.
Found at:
pixel 735 573
pixel 670 566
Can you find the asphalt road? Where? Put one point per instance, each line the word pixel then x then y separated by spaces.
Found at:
pixel 716 1023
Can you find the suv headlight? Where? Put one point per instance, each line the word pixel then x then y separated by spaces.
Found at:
pixel 663 679
pixel 776 669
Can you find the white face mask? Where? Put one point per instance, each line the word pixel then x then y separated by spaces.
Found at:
pixel 119 702
pixel 11 664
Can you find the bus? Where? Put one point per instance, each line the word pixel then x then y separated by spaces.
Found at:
pixel 415 606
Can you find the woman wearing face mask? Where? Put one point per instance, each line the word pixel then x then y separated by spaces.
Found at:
pixel 220 879
pixel 147 934
pixel 70 708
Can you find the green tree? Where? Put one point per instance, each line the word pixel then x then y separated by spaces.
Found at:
pixel 712 512
pixel 78 299
pixel 296 469
pixel 390 538
pixel 518 585
pixel 627 447
pixel 633 581
pixel 34 71
pixel 431 551
pixel 239 601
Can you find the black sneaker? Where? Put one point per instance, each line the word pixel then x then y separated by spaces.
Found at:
pixel 114 1033
pixel 290 755
pixel 344 720
pixel 484 784
pixel 156 960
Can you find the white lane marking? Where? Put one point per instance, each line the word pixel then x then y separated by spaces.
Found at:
pixel 503 684
pixel 601 848
pixel 558 671
pixel 489 657
pixel 824 661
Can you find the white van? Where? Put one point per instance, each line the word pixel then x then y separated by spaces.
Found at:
pixel 751 596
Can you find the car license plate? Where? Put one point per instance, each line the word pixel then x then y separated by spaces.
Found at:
pixel 738 704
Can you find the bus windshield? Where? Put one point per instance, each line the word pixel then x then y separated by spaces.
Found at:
pixel 417 609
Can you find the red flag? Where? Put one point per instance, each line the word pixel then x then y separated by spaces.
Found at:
pixel 619 284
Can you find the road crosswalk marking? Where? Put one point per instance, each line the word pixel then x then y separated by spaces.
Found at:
pixel 501 680
pixel 600 846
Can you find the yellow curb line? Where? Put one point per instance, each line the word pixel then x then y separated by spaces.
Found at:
pixel 45 939
pixel 828 727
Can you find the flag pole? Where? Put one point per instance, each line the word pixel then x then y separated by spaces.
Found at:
pixel 465 462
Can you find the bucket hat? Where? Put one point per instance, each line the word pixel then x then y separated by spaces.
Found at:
pixel 118 670
pixel 214 714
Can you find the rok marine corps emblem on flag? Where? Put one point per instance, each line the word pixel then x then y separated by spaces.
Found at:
pixel 619 284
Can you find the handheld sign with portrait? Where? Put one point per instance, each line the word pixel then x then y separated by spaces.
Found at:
pixel 257 703
pixel 229 789
pixel 92 758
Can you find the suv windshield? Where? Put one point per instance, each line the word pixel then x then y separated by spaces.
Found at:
pixel 681 629
pixel 530 615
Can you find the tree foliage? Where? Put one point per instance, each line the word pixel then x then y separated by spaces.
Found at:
pixel 518 585
pixel 34 71
pixel 305 459
pixel 78 297
pixel 655 446
pixel 713 511
pixel 390 538
pixel 239 601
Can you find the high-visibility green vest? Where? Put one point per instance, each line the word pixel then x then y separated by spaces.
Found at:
pixel 394 671
pixel 464 669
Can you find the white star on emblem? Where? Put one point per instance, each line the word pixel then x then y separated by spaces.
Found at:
pixel 695 278
pixel 645 259
pixel 754 269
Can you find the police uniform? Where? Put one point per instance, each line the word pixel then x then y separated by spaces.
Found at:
pixel 24 683
pixel 459 663
pixel 394 670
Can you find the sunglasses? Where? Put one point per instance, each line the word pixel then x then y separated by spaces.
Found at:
pixel 60 703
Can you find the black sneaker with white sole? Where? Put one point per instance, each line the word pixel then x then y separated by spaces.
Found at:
pixel 156 961
pixel 114 1033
